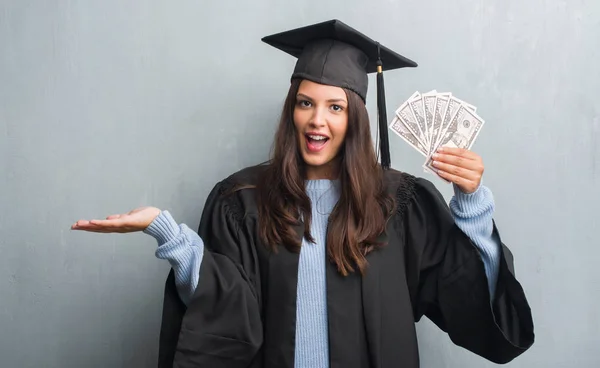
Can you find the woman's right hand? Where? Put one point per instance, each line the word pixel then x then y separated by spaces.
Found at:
pixel 136 220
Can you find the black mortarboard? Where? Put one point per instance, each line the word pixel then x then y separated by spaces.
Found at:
pixel 335 54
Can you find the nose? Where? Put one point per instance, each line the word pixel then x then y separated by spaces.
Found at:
pixel 318 118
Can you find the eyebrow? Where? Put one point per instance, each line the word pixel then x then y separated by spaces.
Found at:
pixel 330 100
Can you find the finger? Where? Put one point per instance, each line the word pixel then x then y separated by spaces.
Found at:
pixel 90 226
pixel 113 217
pixel 116 223
pixel 94 222
pixel 457 171
pixel 460 181
pixel 87 226
pixel 462 152
pixel 80 223
pixel 96 230
pixel 459 161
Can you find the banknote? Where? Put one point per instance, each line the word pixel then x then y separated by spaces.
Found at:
pixel 427 121
pixel 441 102
pixel 461 132
pixel 398 127
pixel 428 111
pixel 406 116
pixel 451 108
pixel 416 108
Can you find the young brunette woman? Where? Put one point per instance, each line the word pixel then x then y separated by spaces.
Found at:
pixel 321 257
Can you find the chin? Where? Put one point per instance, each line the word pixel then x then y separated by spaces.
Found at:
pixel 323 158
pixel 316 163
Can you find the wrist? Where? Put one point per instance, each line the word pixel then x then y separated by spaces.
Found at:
pixel 471 204
pixel 156 213
pixel 459 193
pixel 163 228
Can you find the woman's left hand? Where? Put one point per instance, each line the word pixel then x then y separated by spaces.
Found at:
pixel 459 166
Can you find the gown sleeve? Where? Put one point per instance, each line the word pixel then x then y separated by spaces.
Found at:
pixel 448 283
pixel 221 325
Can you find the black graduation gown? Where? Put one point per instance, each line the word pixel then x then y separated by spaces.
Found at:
pixel 243 313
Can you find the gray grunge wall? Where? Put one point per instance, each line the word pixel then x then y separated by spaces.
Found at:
pixel 109 105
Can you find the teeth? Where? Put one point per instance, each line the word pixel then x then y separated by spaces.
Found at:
pixel 317 137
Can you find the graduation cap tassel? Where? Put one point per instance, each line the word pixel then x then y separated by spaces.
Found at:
pixel 382 115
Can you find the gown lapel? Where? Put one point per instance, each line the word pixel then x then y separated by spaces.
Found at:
pixel 346 324
pixel 371 305
pixel 280 307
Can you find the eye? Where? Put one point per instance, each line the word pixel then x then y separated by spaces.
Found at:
pixel 337 108
pixel 304 103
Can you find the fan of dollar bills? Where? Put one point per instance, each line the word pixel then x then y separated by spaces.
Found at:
pixel 430 120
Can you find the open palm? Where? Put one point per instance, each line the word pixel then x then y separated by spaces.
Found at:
pixel 135 220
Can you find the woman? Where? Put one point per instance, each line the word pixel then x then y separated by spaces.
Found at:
pixel 321 257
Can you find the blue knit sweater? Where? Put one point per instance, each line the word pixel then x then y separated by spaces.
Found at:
pixel 183 248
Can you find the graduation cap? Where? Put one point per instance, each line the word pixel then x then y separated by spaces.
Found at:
pixel 335 54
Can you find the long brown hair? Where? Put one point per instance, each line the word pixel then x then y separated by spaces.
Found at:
pixel 363 209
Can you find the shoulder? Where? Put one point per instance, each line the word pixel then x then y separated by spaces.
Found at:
pixel 236 192
pixel 398 182
pixel 403 184
pixel 246 178
pixel 409 190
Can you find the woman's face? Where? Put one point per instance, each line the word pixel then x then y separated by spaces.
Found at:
pixel 321 120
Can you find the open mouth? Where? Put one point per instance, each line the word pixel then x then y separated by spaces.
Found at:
pixel 315 143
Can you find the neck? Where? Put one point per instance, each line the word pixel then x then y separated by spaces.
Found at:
pixel 330 171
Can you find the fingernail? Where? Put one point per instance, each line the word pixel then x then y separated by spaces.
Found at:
pixel 435 155
pixel 434 163
pixel 441 149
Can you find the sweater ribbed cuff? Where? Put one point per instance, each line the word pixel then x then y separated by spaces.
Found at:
pixel 471 204
pixel 163 228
